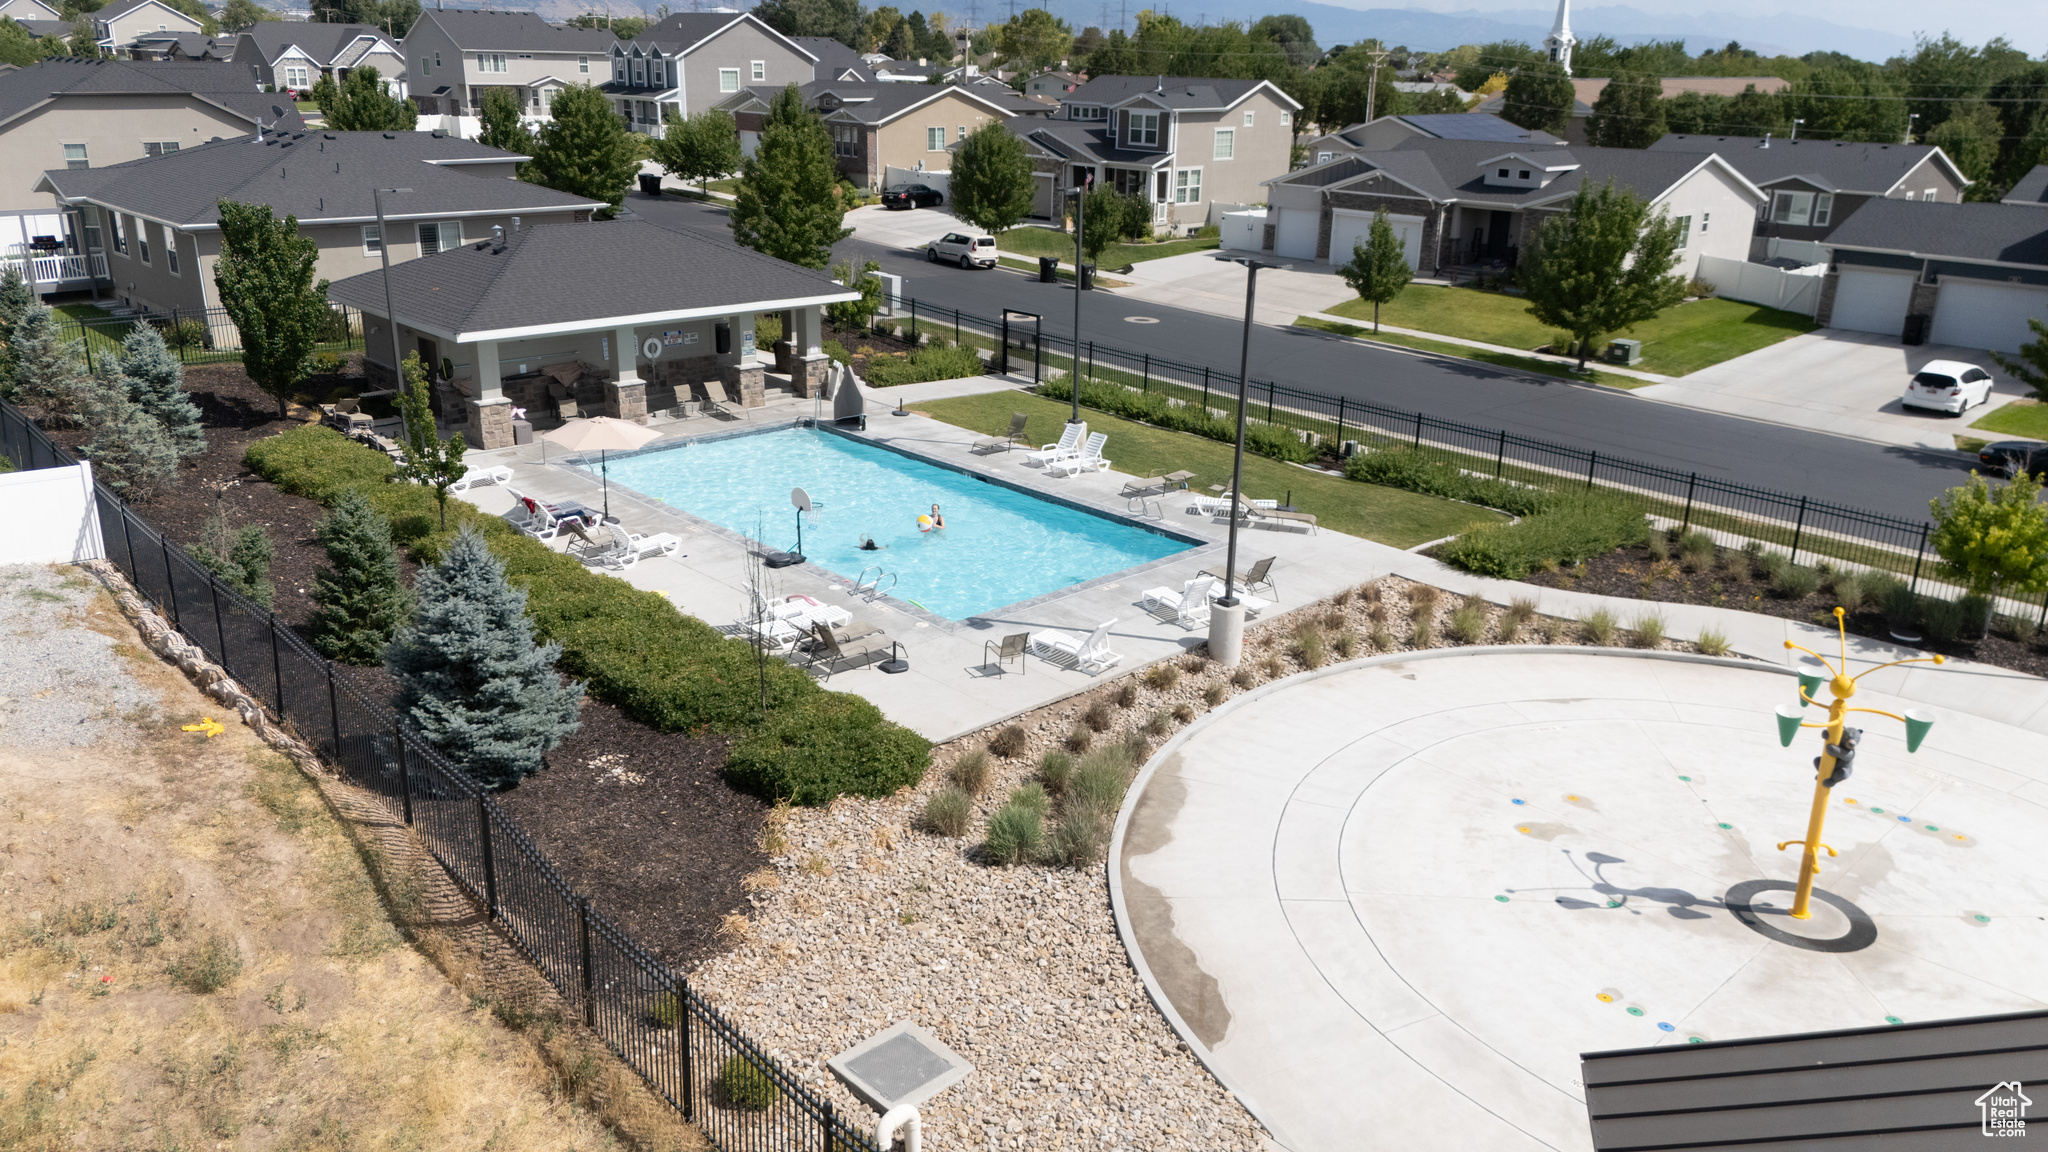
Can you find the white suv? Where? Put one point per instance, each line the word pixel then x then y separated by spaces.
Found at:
pixel 1949 386
pixel 967 251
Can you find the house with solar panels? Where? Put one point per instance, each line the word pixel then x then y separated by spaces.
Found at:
pixel 1388 131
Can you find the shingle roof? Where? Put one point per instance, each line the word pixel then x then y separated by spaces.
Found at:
pixel 892 100
pixel 121 8
pixel 515 32
pixel 1085 140
pixel 1476 126
pixel 834 57
pixel 1846 165
pixel 619 269
pixel 1174 91
pixel 25 88
pixel 311 175
pixel 2031 189
pixel 2004 233
pixel 41 28
pixel 320 41
pixel 1449 170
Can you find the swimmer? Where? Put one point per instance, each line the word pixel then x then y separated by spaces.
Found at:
pixel 938 521
pixel 867 544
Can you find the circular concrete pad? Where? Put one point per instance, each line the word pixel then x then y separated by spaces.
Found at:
pixel 1394 903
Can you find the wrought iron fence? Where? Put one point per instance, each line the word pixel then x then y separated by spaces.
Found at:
pixel 683 1047
pixel 199 336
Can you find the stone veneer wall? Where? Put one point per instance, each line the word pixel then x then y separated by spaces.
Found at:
pixel 1425 254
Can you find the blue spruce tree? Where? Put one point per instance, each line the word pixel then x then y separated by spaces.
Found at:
pixel 15 297
pixel 470 677
pixel 131 453
pixel 362 604
pixel 49 371
pixel 156 383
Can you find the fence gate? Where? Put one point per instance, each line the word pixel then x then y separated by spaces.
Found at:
pixel 1026 340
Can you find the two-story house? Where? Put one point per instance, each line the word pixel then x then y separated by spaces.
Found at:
pixel 836 62
pixel 156 221
pixel 1189 147
pixel 29 10
pixel 879 127
pixel 294 56
pixel 1055 84
pixel 123 22
pixel 455 55
pixel 1385 132
pixel 691 61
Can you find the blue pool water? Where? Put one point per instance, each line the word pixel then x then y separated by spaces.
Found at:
pixel 999 545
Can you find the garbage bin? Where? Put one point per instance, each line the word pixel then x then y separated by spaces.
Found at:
pixel 650 183
pixel 1048 269
pixel 1916 329
pixel 1087 277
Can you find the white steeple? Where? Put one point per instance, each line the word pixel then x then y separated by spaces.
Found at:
pixel 1559 42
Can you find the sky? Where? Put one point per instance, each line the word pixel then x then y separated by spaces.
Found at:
pixel 2024 22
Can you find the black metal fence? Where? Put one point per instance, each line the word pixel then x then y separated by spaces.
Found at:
pixel 199 336
pixel 646 1013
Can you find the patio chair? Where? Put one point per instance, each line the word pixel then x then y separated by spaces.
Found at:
pixel 1252 579
pixel 716 400
pixel 495 474
pixel 1011 647
pixel 858 642
pixel 1088 459
pixel 1253 513
pixel 1190 605
pixel 1218 505
pixel 1090 654
pixel 542 520
pixel 1014 436
pixel 1070 443
pixel 621 549
pixel 1139 491
pixel 346 414
pixel 562 380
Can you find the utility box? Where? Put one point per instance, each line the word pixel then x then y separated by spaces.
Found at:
pixel 1625 352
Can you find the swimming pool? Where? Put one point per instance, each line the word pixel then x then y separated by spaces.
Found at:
pixel 999 545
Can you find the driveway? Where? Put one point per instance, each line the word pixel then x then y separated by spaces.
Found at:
pixel 1200 282
pixel 1839 382
pixel 907 229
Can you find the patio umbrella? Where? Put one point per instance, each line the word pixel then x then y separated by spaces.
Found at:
pixel 602 433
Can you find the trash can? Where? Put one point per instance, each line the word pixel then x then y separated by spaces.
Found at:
pixel 1916 329
pixel 1087 277
pixel 1048 269
pixel 650 183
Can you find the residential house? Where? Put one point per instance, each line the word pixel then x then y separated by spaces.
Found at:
pixel 189 46
pixel 1476 202
pixel 1056 84
pixel 295 56
pixel 1969 275
pixel 691 61
pixel 44 29
pixel 836 62
pixel 123 22
pixel 29 10
pixel 157 220
pixel 1190 147
pixel 876 127
pixel 2032 189
pixel 656 312
pixel 1387 131
pixel 1816 186
pixel 457 54
pixel 1586 92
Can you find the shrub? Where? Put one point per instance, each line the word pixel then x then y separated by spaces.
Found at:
pixel 1310 647
pixel 1658 545
pixel 1900 606
pixel 217 960
pixel 970 772
pixel 1849 589
pixel 1599 627
pixel 1468 623
pixel 1649 629
pixel 1008 743
pixel 1214 694
pixel 927 363
pixel 1099 717
pixel 1424 635
pixel 1943 620
pixel 1078 839
pixel 1572 528
pixel 1125 695
pixel 1151 407
pixel 241 559
pixel 1345 644
pixel 1697 547
pixel 747 1085
pixel 813 750
pixel 1183 713
pixel 361 603
pixel 1422 601
pixel 1100 779
pixel 1713 642
pixel 1796 581
pixel 1162 677
pixel 1015 834
pixel 1158 724
pixel 667 1011
pixel 1137 748
pixel 1399 466
pixel 949 812
pixel 1079 738
pixel 1055 771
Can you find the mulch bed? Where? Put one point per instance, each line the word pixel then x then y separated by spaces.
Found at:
pixel 1634 573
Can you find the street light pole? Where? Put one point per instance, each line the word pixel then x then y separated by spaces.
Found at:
pixel 1226 618
pixel 1080 223
pixel 384 257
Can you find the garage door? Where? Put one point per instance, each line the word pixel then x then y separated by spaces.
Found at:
pixel 1979 314
pixel 1295 236
pixel 1350 227
pixel 1872 302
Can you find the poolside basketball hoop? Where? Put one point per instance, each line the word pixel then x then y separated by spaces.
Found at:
pixel 802 500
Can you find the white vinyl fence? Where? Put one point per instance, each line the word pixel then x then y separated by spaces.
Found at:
pixel 52 517
pixel 1795 291
pixel 1245 231
pixel 940 182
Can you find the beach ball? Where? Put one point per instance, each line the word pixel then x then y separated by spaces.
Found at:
pixel 924 523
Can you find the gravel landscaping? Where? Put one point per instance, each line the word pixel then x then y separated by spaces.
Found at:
pixel 61 686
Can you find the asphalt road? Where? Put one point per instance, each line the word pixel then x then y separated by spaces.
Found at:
pixel 1880 478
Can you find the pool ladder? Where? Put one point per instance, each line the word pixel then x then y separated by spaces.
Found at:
pixel 873 588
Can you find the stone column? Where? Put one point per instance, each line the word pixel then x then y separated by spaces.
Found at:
pixel 809 363
pixel 490 413
pixel 740 368
pixel 625 397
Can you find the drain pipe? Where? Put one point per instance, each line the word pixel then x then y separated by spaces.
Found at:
pixel 904 1117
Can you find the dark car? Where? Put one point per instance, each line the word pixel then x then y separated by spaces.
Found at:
pixel 2011 457
pixel 912 196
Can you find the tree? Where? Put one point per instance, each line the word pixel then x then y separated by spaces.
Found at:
pixel 1292 35
pixel 1106 219
pixel 1848 99
pixel 240 14
pixel 429 459
pixel 701 148
pixel 833 19
pixel 241 558
pixel 1628 114
pixel 130 450
pixel 992 185
pixel 902 42
pixel 1500 58
pixel 502 125
pixel 857 313
pixel 470 677
pixel 15 298
pixel 585 150
pixel 324 93
pixel 1995 541
pixel 20 49
pixel 49 371
pixel 1379 267
pixel 1970 138
pixel 84 41
pixel 787 204
pixel 156 385
pixel 623 27
pixel 360 104
pixel 265 279
pixel 1036 39
pixel 1602 265
pixel 2031 368
pixel 360 602
pixel 1539 97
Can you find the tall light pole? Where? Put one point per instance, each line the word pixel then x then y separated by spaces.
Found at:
pixel 1226 619
pixel 384 257
pixel 1080 225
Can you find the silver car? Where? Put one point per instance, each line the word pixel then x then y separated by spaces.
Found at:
pixel 964 250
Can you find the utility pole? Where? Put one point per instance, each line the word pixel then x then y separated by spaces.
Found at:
pixel 1796 122
pixel 1372 86
pixel 1910 117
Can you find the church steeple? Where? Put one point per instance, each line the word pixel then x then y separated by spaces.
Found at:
pixel 1559 43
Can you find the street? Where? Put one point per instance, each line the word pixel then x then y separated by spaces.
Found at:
pixel 1894 480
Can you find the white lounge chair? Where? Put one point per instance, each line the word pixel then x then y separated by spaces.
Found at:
pixel 1219 505
pixel 1090 654
pixel 1070 443
pixel 1088 458
pixel 496 474
pixel 626 549
pixel 1190 605
pixel 542 520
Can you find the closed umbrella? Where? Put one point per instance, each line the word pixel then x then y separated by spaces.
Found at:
pixel 602 434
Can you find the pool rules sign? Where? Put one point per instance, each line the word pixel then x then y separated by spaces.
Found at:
pixel 2005 1109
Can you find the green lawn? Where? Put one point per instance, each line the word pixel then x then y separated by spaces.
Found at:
pixel 80 312
pixel 1388 515
pixel 2022 417
pixel 1685 338
pixel 1046 242
pixel 1499 359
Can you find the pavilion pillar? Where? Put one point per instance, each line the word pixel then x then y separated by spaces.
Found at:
pixel 739 367
pixel 490 413
pixel 804 361
pixel 625 397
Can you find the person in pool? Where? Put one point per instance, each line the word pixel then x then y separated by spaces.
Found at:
pixel 867 544
pixel 938 520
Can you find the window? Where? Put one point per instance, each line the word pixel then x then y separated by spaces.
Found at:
pixel 1912 195
pixel 120 233
pixel 1503 174
pixel 295 76
pixel 1226 143
pixel 437 59
pixel 1285 119
pixel 639 73
pixel 74 156
pixel 845 140
pixel 935 139
pixel 1684 230
pixel 1187 186
pixel 1247 117
pixel 1930 194
pixel 728 79
pixel 1090 112
pixel 373 241
pixel 1323 157
pixel 90 218
pixel 440 237
pixel 1706 218
pixel 963 133
pixel 1823 207
pixel 760 71
pixel 1522 174
pixel 159 147
pixel 490 61
pixel 142 240
pixel 171 251
pixel 1800 209
pixel 426 68
pixel 583 63
pixel 1144 128
pixel 618 69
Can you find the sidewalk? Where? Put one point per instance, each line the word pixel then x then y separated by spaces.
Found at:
pixel 1567 361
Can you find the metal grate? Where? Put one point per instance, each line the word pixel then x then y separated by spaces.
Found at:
pixel 904 1064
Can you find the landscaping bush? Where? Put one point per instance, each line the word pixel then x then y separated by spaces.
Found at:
pixel 1468 623
pixel 1600 627
pixel 1008 742
pixel 1100 779
pixel 1399 466
pixel 1056 770
pixel 949 812
pixel 1015 834
pixel 1309 646
pixel 1713 642
pixel 1031 796
pixel 1077 840
pixel 747 1085
pixel 1649 628
pixel 824 746
pixel 1162 677
pixel 928 363
pixel 1153 408
pixel 1796 581
pixel 1569 530
pixel 1900 606
pixel 1942 620
pixel 970 772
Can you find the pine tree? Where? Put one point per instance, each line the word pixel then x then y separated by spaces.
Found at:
pixel 1378 270
pixel 156 383
pixel 15 298
pixel 470 677
pixel 787 204
pixel 130 450
pixel 1539 96
pixel 49 372
pixel 361 602
pixel 585 149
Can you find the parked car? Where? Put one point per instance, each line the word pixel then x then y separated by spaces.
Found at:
pixel 969 251
pixel 912 196
pixel 2011 457
pixel 1949 386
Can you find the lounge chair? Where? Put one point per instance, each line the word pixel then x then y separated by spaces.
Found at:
pixel 1259 575
pixel 496 474
pixel 1218 505
pixel 542 520
pixel 621 549
pixel 1089 458
pixel 1190 605
pixel 716 400
pixel 1070 443
pixel 1011 647
pixel 562 380
pixel 1004 442
pixel 1139 491
pixel 1262 511
pixel 858 642
pixel 1090 654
